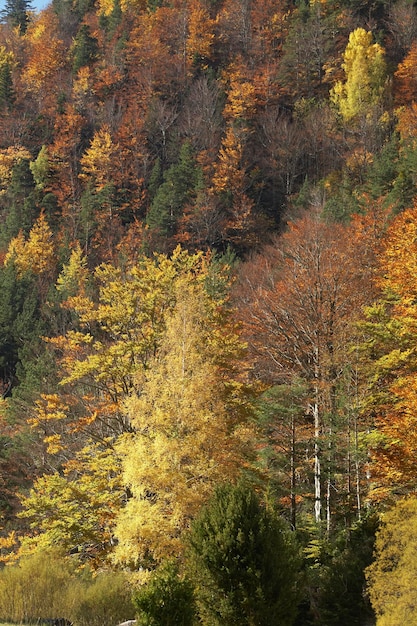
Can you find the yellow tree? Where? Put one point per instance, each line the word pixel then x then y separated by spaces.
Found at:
pixel 117 334
pixel 37 253
pixel 98 160
pixel 189 427
pixel 200 33
pixel 46 56
pixel 391 362
pixel 365 71
pixel 391 577
pixel 104 357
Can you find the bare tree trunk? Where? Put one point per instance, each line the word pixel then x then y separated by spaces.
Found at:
pixel 317 460
pixel 293 474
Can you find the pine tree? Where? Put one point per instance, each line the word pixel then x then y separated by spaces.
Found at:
pixel 180 184
pixel 16 13
pixel 244 562
pixel 85 48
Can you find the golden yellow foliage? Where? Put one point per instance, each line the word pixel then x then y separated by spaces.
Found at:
pixel 200 32
pixel 46 52
pixel 9 157
pixel 228 174
pixel 72 279
pixel 37 253
pixel 98 158
pixel 241 98
pixel 186 428
pixel 365 71
pixel 391 577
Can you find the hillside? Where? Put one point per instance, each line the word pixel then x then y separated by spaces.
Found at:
pixel 208 275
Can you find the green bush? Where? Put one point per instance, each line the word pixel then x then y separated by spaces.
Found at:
pixel 166 600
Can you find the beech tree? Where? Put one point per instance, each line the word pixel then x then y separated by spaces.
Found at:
pixel 298 301
pixel 45 58
pixel 130 342
pixel 189 427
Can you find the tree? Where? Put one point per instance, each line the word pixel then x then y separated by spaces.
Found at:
pixel 37 253
pixel 179 188
pixel 340 585
pixel 109 349
pixel 298 302
pixel 45 57
pixel 200 34
pixel 390 362
pixel 7 94
pixel 243 561
pixel 405 84
pixel 16 13
pixel 75 510
pixel 283 439
pixel 85 49
pixel 392 574
pixel 19 197
pixel 365 71
pixel 189 426
pixel 307 43
pixel 97 160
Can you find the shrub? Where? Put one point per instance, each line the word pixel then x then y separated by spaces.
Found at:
pixel 46 585
pixel 35 588
pixel 105 600
pixel 166 600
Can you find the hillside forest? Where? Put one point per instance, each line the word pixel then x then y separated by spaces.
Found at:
pixel 208 309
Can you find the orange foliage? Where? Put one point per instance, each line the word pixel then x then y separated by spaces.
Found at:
pixel 405 78
pixel 200 33
pixel 46 56
pixel 394 443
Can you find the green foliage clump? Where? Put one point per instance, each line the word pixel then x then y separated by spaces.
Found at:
pixel 342 596
pixel 244 562
pixel 181 182
pixel 166 600
pixel 85 49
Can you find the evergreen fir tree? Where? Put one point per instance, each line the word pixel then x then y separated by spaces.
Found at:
pixel 16 13
pixel 85 48
pixel 244 562
pixel 181 181
pixel 7 95
pixel 19 204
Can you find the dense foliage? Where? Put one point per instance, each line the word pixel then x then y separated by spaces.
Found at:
pixel 207 269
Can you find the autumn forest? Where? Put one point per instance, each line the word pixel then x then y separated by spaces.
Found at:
pixel 208 312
